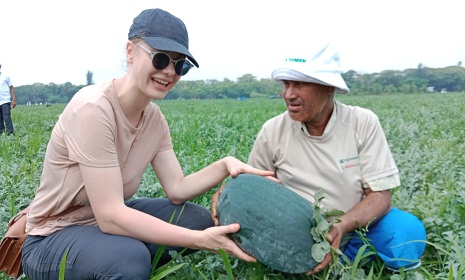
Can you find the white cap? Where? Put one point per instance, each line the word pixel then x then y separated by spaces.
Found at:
pixel 321 68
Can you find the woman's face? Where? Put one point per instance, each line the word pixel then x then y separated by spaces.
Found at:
pixel 153 83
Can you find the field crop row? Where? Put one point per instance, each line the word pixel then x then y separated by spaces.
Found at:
pixel 425 132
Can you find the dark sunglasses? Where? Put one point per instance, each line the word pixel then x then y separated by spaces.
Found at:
pixel 161 60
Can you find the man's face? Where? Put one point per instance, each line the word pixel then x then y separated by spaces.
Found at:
pixel 308 102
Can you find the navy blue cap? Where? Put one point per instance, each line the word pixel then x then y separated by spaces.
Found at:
pixel 162 31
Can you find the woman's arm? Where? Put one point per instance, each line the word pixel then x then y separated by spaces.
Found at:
pixel 105 192
pixel 180 188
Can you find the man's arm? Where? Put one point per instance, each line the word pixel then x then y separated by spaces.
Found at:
pixel 370 210
pixel 13 97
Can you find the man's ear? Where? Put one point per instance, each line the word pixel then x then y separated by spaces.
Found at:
pixel 330 90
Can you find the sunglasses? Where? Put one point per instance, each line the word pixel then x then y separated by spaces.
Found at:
pixel 161 60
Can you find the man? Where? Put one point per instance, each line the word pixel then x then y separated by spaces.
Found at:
pixel 7 102
pixel 320 142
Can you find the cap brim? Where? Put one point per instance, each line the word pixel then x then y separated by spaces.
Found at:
pixel 328 79
pixel 168 45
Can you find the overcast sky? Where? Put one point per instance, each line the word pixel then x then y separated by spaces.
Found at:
pixel 59 40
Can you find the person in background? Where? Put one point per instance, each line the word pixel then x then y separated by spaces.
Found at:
pixel 7 102
pixel 321 142
pixel 98 151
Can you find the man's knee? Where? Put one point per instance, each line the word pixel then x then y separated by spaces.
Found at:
pixel 399 238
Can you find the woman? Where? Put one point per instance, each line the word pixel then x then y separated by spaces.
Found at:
pixel 99 149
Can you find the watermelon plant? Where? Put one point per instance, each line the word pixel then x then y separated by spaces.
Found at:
pixel 425 133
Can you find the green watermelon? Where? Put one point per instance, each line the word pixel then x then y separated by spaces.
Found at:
pixel 275 222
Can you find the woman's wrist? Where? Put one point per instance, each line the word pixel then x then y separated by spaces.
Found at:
pixel 225 162
pixel 196 238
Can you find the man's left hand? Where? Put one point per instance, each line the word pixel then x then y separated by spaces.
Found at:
pixel 334 238
pixel 215 198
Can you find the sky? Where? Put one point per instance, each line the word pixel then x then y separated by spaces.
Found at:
pixel 58 41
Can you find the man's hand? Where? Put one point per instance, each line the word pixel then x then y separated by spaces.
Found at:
pixel 334 238
pixel 372 208
pixel 215 198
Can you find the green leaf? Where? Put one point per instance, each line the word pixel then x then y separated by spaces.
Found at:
pixel 319 250
pixel 322 227
pixel 61 275
pixel 333 213
pixel 319 195
pixel 227 264
pixel 161 248
pixel 165 272
pixel 316 236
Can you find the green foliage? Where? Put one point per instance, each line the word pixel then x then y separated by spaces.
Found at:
pixel 409 81
pixel 321 247
pixel 61 275
pixel 425 133
pixel 160 249
pixel 227 264
pixel 38 93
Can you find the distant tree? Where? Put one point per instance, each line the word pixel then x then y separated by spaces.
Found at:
pixel 459 64
pixel 270 87
pixel 409 88
pixel 390 77
pixel 408 81
pixel 420 73
pixel 451 78
pixel 90 77
pixel 227 88
pixel 390 89
pixel 247 84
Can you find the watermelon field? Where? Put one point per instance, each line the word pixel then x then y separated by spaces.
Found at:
pixel 426 133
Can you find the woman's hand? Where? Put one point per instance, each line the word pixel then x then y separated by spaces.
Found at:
pixel 215 238
pixel 236 167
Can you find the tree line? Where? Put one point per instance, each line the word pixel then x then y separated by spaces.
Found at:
pixel 417 80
